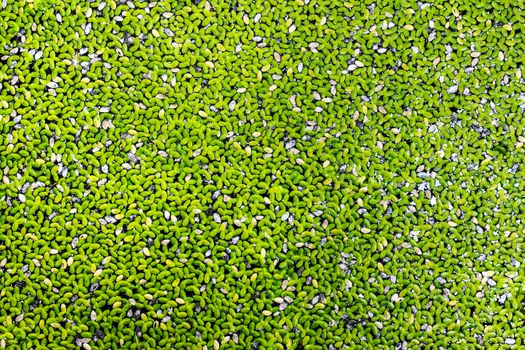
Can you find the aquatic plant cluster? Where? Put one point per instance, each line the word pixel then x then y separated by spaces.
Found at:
pixel 257 174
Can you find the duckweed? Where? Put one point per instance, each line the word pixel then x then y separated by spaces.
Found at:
pixel 257 174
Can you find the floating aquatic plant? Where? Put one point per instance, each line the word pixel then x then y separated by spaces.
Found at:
pixel 261 174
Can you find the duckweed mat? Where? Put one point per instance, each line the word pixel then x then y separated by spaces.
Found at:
pixel 257 174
